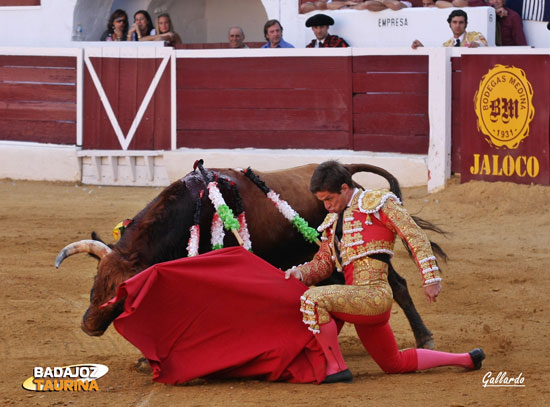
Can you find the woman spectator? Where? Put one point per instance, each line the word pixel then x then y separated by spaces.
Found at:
pixel 165 31
pixel 142 27
pixel 117 27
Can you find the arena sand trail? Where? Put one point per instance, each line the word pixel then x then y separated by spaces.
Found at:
pixel 494 295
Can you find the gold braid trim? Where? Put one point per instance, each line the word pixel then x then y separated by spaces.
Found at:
pixel 309 312
pixel 416 239
pixel 371 201
pixel 318 303
pixel 320 267
pixel 329 220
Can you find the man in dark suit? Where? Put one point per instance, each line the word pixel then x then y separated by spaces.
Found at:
pixel 320 23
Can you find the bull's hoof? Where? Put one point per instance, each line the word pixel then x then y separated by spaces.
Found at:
pixel 426 343
pixel 142 366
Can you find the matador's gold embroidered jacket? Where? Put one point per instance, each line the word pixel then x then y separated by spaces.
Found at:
pixel 371 221
pixel 370 224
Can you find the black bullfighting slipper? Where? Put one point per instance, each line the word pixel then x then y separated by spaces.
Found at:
pixel 344 376
pixel 477 356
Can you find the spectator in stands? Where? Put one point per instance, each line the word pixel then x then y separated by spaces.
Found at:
pixel 458 21
pixel 142 27
pixel 460 3
pixel 273 32
pixel 307 6
pixel 236 37
pixel 117 27
pixel 428 3
pixel 320 23
pixel 165 31
pixel 509 28
pixel 371 5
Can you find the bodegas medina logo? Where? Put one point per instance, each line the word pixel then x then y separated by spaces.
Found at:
pixel 504 106
pixel 82 377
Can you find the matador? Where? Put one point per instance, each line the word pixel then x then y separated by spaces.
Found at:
pixel 358 237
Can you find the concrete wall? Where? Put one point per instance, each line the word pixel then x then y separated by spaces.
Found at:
pixel 39 162
pixel 537 34
pixel 92 16
pixel 410 170
pixel 49 25
pixel 390 28
pixel 221 14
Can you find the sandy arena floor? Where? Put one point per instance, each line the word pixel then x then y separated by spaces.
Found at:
pixel 494 296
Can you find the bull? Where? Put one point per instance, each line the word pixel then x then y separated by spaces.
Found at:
pixel 161 230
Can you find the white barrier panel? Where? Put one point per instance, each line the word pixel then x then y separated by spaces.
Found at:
pixel 39 162
pixel 388 28
pixel 409 169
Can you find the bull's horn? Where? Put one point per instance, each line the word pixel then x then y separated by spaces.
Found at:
pixel 100 249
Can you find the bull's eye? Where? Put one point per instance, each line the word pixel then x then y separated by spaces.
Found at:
pixel 93 288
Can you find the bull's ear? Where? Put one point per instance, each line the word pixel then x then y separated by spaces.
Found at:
pixel 95 236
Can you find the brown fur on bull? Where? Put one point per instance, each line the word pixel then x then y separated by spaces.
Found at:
pixel 160 232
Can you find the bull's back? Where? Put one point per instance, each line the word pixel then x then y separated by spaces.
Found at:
pixel 273 237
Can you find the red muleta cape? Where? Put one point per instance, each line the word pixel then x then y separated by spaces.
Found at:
pixel 222 314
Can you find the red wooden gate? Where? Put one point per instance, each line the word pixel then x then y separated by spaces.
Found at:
pixel 127 100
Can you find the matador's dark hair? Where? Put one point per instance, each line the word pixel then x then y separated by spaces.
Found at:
pixel 458 13
pixel 329 176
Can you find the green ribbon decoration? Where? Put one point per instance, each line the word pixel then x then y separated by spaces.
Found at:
pixel 309 233
pixel 217 246
pixel 226 215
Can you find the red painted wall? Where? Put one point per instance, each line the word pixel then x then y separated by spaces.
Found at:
pixel 216 45
pixel 369 103
pixel 38 99
pixel 290 102
pixel 19 3
pixel 361 103
pixel 390 104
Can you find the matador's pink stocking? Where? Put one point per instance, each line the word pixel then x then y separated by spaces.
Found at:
pixel 431 358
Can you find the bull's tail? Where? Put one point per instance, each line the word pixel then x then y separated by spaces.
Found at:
pixel 394 184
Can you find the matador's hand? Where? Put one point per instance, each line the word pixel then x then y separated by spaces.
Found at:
pixel 432 291
pixel 294 272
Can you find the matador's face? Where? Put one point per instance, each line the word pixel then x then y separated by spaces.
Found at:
pixel 335 202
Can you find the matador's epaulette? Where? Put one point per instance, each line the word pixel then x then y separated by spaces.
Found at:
pixel 329 220
pixel 371 201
